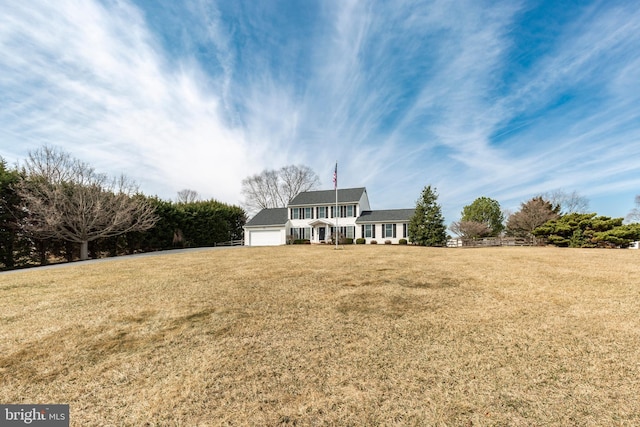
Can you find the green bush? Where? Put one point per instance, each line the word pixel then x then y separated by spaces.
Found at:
pixel 347 241
pixel 373 242
pixel 301 242
pixel 361 241
pixel 402 241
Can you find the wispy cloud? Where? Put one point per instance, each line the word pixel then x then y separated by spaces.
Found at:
pixel 203 93
pixel 94 81
pixel 594 136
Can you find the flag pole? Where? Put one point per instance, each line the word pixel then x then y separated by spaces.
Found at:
pixel 335 186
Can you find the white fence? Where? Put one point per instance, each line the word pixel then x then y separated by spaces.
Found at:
pixel 492 241
pixel 231 243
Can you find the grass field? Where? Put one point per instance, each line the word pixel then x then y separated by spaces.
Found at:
pixel 300 335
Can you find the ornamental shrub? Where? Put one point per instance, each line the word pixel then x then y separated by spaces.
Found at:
pixel 373 242
pixel 387 242
pixel 361 241
pixel 402 241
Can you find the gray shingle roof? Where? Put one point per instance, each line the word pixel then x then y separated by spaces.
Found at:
pixel 389 215
pixel 346 195
pixel 274 216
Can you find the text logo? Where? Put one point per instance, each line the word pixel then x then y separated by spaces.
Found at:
pixel 34 415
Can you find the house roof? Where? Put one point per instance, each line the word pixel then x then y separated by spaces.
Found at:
pixel 346 195
pixel 266 217
pixel 388 215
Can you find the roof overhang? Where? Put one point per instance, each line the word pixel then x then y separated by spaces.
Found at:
pixel 265 226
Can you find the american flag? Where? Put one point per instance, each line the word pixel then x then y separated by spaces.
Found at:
pixel 335 177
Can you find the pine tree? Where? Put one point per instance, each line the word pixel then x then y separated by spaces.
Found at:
pixel 426 227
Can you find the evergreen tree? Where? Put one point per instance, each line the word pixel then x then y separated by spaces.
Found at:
pixel 485 211
pixel 426 227
pixel 10 238
pixel 588 231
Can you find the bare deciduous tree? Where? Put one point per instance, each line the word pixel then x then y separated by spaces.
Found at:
pixel 296 179
pixel 275 189
pixel 531 215
pixel 66 199
pixel 261 191
pixel 188 196
pixel 470 229
pixel 568 202
pixel 634 215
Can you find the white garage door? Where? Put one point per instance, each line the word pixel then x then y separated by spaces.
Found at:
pixel 265 238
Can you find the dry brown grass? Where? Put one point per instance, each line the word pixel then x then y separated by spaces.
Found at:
pixel 368 335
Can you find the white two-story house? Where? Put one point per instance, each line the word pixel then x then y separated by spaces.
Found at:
pixel 314 216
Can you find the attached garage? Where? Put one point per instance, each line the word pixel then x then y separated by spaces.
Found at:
pixel 264 237
pixel 267 228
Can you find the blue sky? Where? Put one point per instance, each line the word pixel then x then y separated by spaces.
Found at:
pixel 502 99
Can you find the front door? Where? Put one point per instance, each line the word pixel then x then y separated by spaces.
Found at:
pixel 321 232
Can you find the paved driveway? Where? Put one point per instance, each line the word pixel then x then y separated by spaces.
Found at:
pixel 145 254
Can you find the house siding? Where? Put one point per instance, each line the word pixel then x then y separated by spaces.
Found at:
pixel 353 216
pixel 303 213
pixel 315 223
pixel 379 232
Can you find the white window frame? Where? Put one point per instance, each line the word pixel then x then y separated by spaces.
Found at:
pixel 368 231
pixel 307 213
pixel 388 230
pixel 349 211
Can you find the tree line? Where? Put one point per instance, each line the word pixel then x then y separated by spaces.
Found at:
pixel 557 218
pixel 55 207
